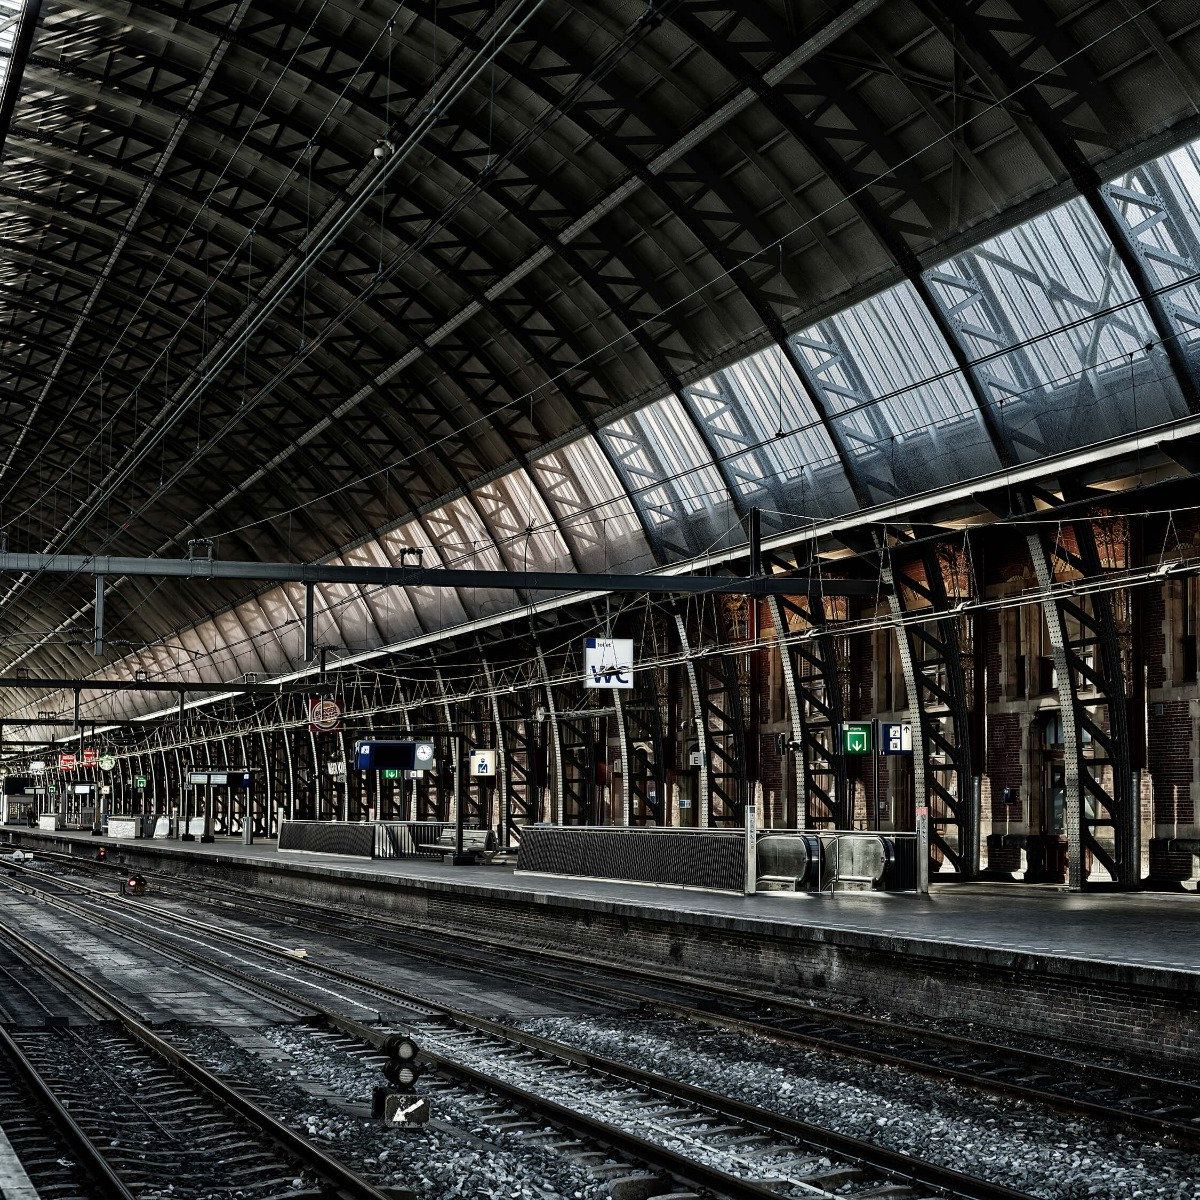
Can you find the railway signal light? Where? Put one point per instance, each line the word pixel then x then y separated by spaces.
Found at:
pixel 396 1104
pixel 402 1070
pixel 134 885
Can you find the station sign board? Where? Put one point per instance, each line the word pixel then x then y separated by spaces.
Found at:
pixel 89 757
pixel 393 756
pixel 895 737
pixel 856 737
pixel 66 761
pixel 608 663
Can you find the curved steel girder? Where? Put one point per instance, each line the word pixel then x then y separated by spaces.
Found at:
pixel 543 238
pixel 866 123
pixel 331 361
pixel 171 117
pixel 38 264
pixel 718 460
pixel 611 301
pixel 1000 72
pixel 280 187
pixel 331 286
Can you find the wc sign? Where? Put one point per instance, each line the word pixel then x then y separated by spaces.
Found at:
pixel 608 663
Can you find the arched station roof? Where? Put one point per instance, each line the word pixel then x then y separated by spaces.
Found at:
pixel 529 282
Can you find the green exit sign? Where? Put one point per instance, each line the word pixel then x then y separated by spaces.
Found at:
pixel 141 782
pixel 389 774
pixel 856 738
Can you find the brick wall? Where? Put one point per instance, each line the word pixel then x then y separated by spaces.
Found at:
pixel 1170 752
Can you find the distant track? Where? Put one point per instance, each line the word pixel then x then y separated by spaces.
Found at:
pixel 503 1060
pixel 1163 1107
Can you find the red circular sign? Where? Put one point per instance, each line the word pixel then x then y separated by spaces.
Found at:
pixel 324 715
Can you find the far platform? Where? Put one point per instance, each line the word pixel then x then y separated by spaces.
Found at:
pixel 1115 972
pixel 1140 931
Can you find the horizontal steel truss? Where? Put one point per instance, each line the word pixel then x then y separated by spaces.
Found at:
pixel 563 581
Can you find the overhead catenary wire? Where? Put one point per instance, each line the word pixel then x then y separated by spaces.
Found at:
pixel 909 618
pixel 946 134
pixel 561 524
pixel 721 276
pixel 893 168
pixel 445 216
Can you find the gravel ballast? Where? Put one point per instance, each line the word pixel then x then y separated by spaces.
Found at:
pixel 457 1156
pixel 1026 1147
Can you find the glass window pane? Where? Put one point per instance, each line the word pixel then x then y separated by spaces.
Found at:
pixel 593 509
pixel 669 473
pixel 767 431
pixel 1159 204
pixel 1048 313
pixel 512 505
pixel 888 378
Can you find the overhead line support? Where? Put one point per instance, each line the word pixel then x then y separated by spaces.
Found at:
pixel 420 576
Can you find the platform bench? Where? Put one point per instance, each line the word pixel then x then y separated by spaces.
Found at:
pixel 476 842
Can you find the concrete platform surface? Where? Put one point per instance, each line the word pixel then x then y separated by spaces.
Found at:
pixel 1148 933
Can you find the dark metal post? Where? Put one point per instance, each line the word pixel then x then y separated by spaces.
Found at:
pixel 98 612
pixel 206 834
pixel 754 530
pixel 461 858
pixel 247 814
pixel 309 623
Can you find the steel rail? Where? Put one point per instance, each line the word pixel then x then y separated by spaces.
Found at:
pixel 292 1143
pixel 650 1153
pixel 97 1166
pixel 707 1015
pixel 888 1162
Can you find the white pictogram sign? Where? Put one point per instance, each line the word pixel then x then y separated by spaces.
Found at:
pixel 483 763
pixel 608 663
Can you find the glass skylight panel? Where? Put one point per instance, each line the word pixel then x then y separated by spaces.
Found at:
pixel 1159 204
pixel 437 607
pixel 594 512
pixel 392 610
pixel 465 543
pixel 747 406
pixel 511 505
pixel 889 381
pixel 667 462
pixel 1050 314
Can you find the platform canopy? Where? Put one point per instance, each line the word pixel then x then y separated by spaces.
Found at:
pixel 524 284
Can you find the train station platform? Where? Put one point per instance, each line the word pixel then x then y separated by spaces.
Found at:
pixel 1123 968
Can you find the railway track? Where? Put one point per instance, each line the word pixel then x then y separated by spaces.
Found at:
pixel 1163 1107
pixel 136 1112
pixel 55 1155
pixel 707 1141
